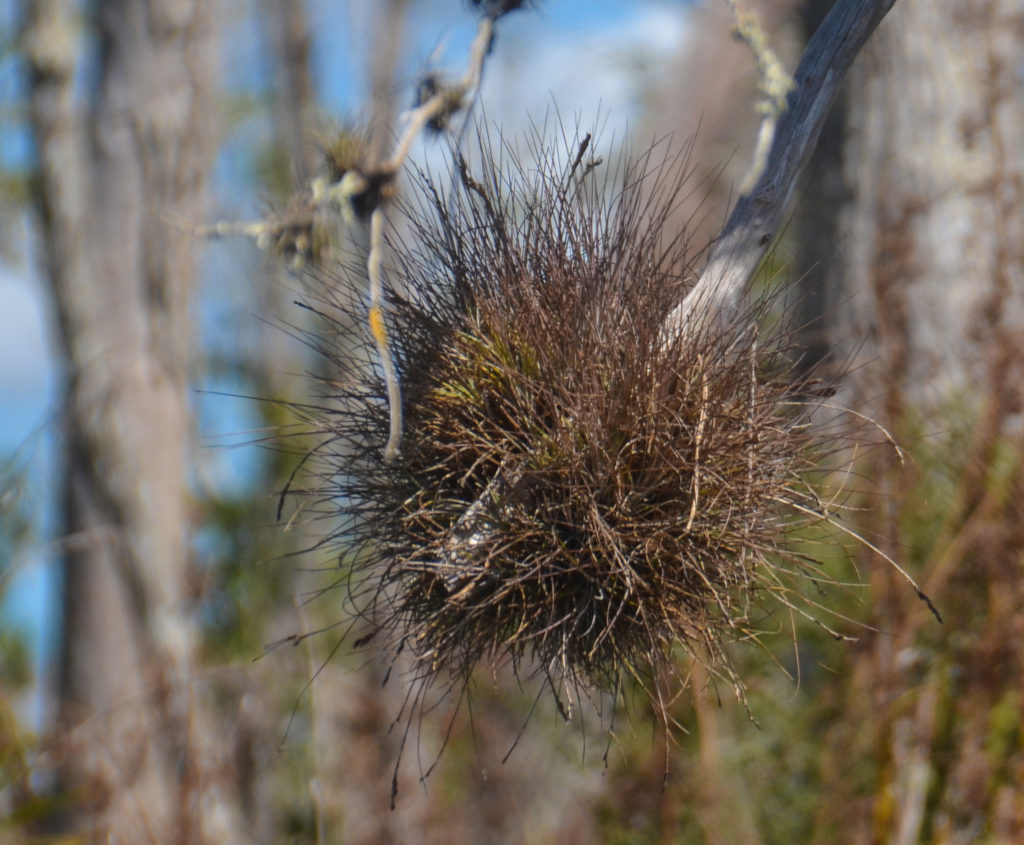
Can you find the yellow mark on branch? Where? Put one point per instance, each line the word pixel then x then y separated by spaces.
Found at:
pixel 377 328
pixel 380 335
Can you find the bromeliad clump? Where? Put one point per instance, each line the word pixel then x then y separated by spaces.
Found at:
pixel 578 492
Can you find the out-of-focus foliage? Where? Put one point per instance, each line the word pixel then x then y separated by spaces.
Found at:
pixel 19 805
pixel 840 728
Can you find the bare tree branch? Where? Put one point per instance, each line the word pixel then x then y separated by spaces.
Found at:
pixel 751 229
pixel 366 184
pixel 447 98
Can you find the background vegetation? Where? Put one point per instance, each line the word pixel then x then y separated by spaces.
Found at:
pixel 166 719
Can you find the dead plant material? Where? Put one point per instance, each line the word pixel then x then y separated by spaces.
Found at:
pixel 573 497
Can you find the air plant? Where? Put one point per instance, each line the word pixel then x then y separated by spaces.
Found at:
pixel 580 494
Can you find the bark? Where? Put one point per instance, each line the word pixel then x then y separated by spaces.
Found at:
pixel 933 155
pixel 141 760
pixel 822 192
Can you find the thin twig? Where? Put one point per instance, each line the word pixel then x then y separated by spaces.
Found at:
pixel 698 437
pixel 369 184
pixel 380 335
pixel 445 96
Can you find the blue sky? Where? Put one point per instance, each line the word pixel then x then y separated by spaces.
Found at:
pixel 586 55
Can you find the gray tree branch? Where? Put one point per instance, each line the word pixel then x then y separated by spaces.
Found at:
pixel 755 221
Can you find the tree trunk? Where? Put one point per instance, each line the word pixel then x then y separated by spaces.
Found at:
pixel 934 272
pixel 141 761
pixel 933 152
pixel 291 40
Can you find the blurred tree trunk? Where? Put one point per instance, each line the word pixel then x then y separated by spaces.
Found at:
pixel 291 38
pixel 935 132
pixel 139 753
pixel 928 745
